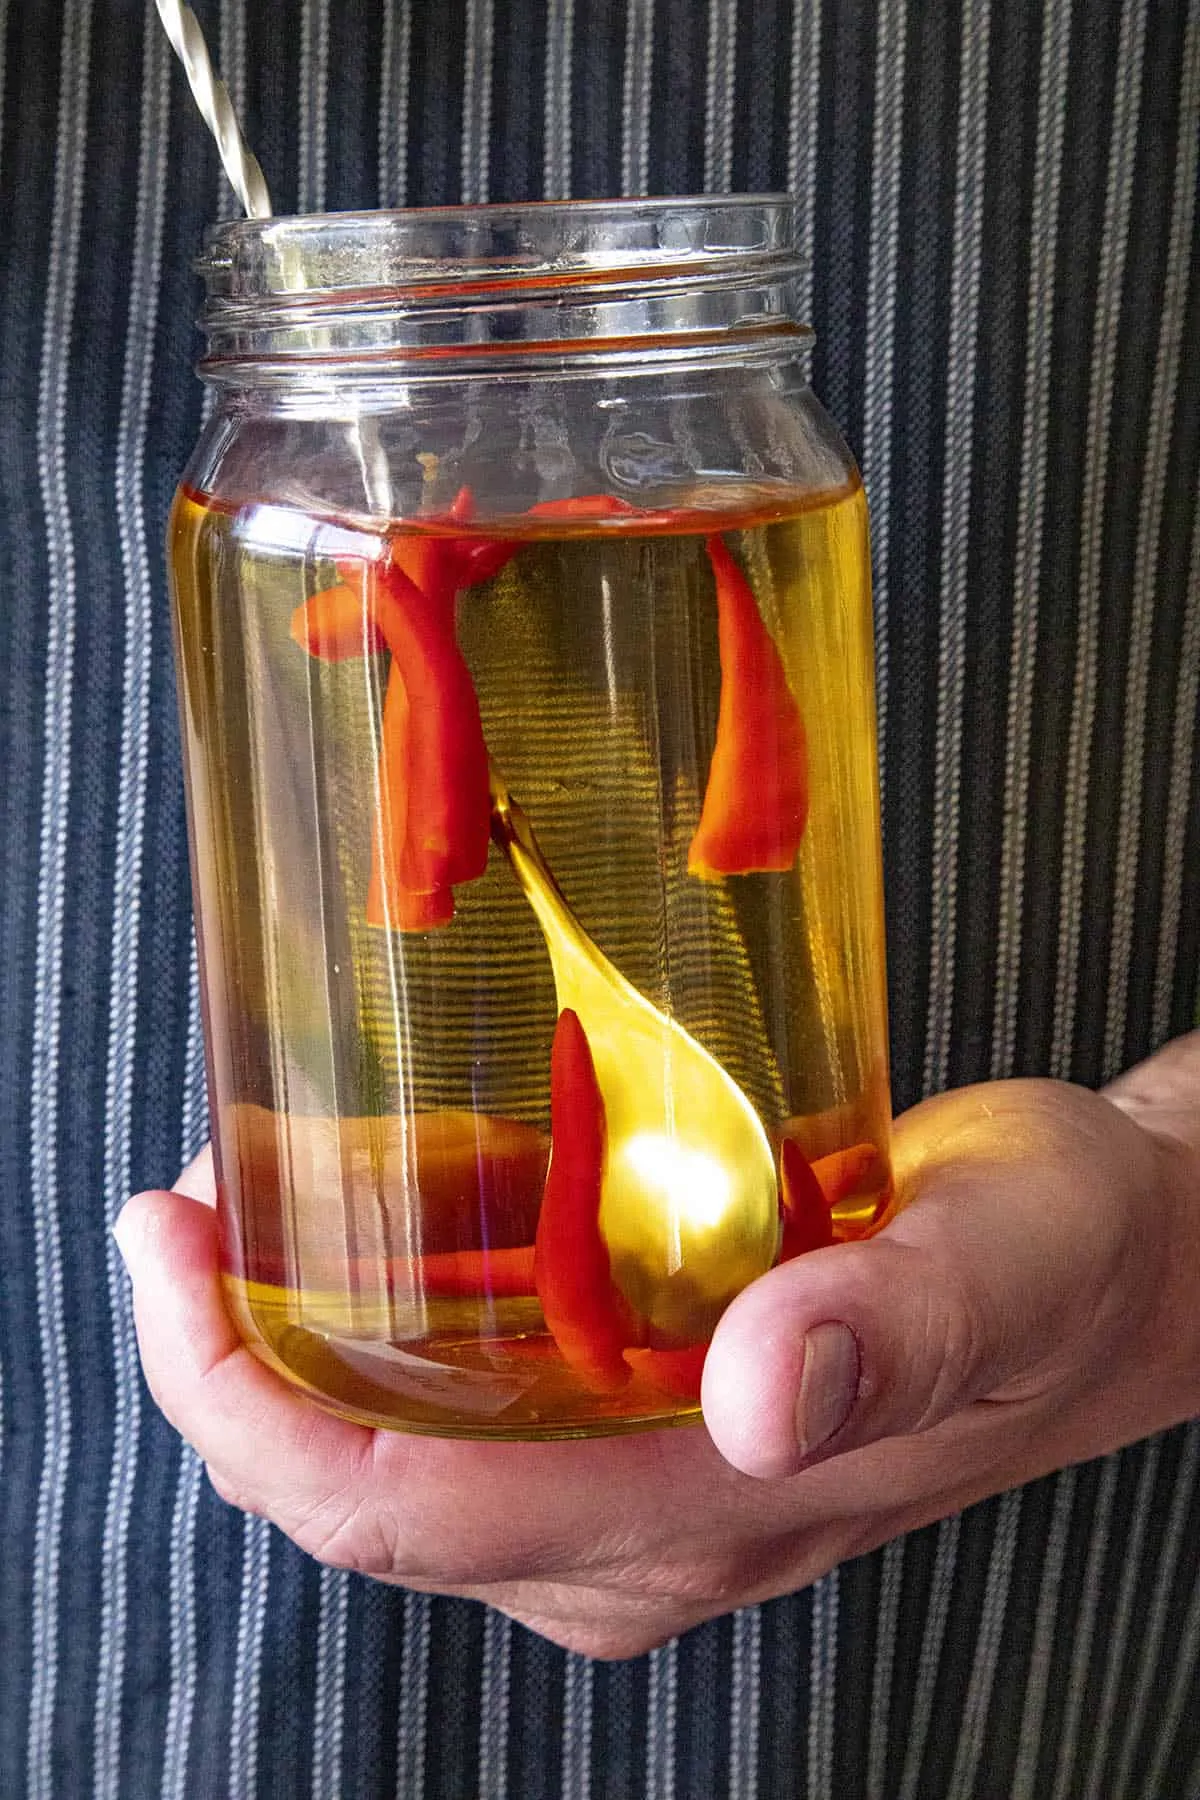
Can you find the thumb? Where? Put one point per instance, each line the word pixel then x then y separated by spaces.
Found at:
pixel 1018 1253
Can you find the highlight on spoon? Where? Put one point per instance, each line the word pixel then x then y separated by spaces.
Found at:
pixel 689 1203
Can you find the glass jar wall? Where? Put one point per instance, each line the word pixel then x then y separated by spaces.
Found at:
pixel 524 642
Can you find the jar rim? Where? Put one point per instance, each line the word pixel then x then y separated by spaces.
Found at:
pixel 642 277
pixel 633 237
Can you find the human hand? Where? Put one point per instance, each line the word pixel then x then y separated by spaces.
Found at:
pixel 1031 1304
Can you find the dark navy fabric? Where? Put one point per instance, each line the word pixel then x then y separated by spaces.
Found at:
pixel 999 208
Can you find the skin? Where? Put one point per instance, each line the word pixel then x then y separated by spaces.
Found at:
pixel 1031 1305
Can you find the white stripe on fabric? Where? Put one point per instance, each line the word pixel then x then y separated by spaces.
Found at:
pixel 662 1697
pixel 973 1723
pixel 477 102
pixel 937 1613
pixel 314 82
pixel 1152 501
pixel 1138 1695
pixel 822 1687
pixel 1083 1629
pixel 745 1704
pixel 193 1124
pixel 54 374
pixel 887 1623
pixel 137 583
pixel 1037 1675
pixel 247 1672
pixel 393 103
pixel 1116 1638
pixel 1122 156
pixel 412 1712
pixel 635 96
pixel 556 162
pixel 967 256
pixel 887 144
pixel 577 1729
pixel 493 1706
pixel 181 1701
pixel 805 80
pixel 719 92
pixel 329 1701
pixel 1179 1699
pixel 1183 773
pixel 1031 512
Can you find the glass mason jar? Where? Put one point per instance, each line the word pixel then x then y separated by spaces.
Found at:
pixel 524 647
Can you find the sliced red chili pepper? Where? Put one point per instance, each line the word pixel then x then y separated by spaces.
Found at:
pixel 807 1220
pixel 434 804
pixel 676 1372
pixel 466 1274
pixel 581 506
pixel 840 1173
pixel 584 1310
pixel 756 802
pixel 429 561
pixel 337 624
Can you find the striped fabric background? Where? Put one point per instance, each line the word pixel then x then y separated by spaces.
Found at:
pixel 1000 207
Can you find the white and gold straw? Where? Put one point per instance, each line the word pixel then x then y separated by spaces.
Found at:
pixel 212 97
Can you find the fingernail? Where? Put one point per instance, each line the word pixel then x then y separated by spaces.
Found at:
pixel 828 1384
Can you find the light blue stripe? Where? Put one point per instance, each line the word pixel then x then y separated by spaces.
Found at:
pixel 745 1707
pixel 137 583
pixel 805 78
pixel 887 146
pixel 661 1707
pixel 329 1702
pixel 493 1707
pixel 556 159
pixel 477 102
pixel 887 1623
pixel 965 272
pixel 822 1687
pixel 1037 1677
pixel 393 103
pixel 973 1724
pixel 577 1729
pixel 937 1614
pixel 1031 512
pixel 1181 260
pixel 1122 162
pixel 635 96
pixel 57 320
pixel 412 1720
pixel 247 1673
pixel 718 105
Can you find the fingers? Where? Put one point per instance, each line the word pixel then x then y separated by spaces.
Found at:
pixel 1009 1269
pixel 268 1448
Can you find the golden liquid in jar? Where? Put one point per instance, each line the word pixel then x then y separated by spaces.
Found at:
pixel 382 1097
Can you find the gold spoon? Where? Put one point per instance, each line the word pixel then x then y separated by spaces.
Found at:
pixel 689 1205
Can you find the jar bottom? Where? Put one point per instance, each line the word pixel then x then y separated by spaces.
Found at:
pixel 512 1386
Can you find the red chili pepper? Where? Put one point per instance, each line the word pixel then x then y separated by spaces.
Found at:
pixel 434 804
pixel 807 1221
pixel 583 1308
pixel 676 1372
pixel 840 1173
pixel 336 624
pixel 756 802
pixel 465 1274
pixel 582 506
